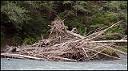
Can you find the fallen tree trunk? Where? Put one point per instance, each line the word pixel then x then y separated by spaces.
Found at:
pixel 110 41
pixel 20 56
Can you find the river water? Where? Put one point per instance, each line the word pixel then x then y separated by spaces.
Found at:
pixel 24 64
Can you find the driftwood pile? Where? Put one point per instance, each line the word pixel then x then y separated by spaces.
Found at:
pixel 64 45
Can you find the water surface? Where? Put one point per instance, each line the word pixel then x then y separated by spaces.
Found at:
pixel 24 64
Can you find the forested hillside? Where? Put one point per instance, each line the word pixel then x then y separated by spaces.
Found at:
pixel 25 22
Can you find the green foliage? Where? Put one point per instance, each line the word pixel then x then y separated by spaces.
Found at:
pixel 31 18
pixel 29 40
pixel 15 13
pixel 103 20
pixel 16 40
pixel 117 29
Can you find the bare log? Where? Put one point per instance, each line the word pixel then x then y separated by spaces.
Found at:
pixel 109 41
pixel 77 35
pixel 20 56
pixel 85 52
